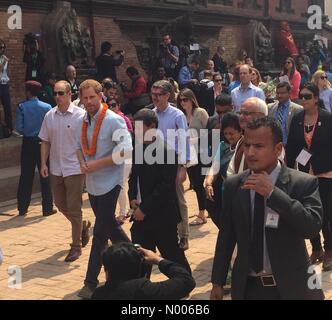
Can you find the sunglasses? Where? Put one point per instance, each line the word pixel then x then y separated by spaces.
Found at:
pixel 218 80
pixel 58 93
pixel 2 47
pixel 305 96
pixel 158 94
pixel 113 105
pixel 183 100
pixel 323 77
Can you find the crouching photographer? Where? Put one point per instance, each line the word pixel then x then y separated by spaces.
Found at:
pixel 124 263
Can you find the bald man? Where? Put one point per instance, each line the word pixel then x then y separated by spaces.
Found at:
pixel 251 109
pixel 74 84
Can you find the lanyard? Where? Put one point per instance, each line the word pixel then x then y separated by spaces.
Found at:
pixel 309 135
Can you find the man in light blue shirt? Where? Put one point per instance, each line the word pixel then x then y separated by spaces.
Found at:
pixel 171 118
pixel 246 89
pixel 186 75
pixel 103 145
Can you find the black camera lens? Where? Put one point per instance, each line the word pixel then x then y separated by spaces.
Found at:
pixel 108 85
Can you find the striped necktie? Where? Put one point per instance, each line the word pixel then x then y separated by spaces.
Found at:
pixel 280 114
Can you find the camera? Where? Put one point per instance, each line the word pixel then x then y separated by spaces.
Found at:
pixel 164 47
pixel 123 86
pixel 30 38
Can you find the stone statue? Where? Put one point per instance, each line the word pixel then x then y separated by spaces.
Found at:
pixel 66 40
pixel 76 40
pixel 262 50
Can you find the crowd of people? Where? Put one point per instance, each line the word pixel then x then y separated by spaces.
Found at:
pixel 260 165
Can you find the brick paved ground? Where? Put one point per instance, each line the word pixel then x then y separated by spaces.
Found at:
pixel 39 245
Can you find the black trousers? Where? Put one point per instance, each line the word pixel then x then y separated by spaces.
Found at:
pixel 5 100
pixel 256 291
pixel 325 191
pixel 197 179
pixel 162 236
pixel 30 158
pixel 214 207
pixel 106 228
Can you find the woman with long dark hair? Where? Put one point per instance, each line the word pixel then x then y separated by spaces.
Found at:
pixel 294 77
pixel 310 135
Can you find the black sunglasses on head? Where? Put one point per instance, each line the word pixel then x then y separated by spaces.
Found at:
pixel 323 77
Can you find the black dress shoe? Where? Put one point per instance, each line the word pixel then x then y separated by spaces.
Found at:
pixel 46 214
pixel 22 213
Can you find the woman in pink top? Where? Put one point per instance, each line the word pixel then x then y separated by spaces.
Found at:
pixel 114 105
pixel 294 77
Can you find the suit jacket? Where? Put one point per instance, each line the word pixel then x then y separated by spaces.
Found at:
pixel 157 188
pixel 321 160
pixel 179 284
pixel 296 200
pixel 294 108
pixel 207 99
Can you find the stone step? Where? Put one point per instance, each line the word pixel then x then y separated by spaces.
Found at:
pixel 9 179
pixel 10 152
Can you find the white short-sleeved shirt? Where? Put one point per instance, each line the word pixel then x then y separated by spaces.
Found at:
pixel 60 130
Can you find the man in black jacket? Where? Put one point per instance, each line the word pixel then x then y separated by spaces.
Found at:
pixel 123 263
pixel 156 213
pixel 268 212
pixel 106 62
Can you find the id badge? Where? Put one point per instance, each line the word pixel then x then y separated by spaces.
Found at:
pixel 304 157
pixel 272 220
pixel 34 74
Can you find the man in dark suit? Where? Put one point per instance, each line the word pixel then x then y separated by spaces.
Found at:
pixel 123 263
pixel 223 105
pixel 156 213
pixel 283 110
pixel 268 212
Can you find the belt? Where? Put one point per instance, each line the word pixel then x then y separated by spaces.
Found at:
pixel 266 281
pixel 32 138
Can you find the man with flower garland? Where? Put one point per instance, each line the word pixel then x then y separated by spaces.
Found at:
pixel 58 135
pixel 103 144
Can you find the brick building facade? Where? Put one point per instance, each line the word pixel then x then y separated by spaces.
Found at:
pixel 130 24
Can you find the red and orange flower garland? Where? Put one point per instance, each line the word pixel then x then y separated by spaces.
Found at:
pixel 93 148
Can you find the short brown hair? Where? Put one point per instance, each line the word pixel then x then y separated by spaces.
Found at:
pixel 95 85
